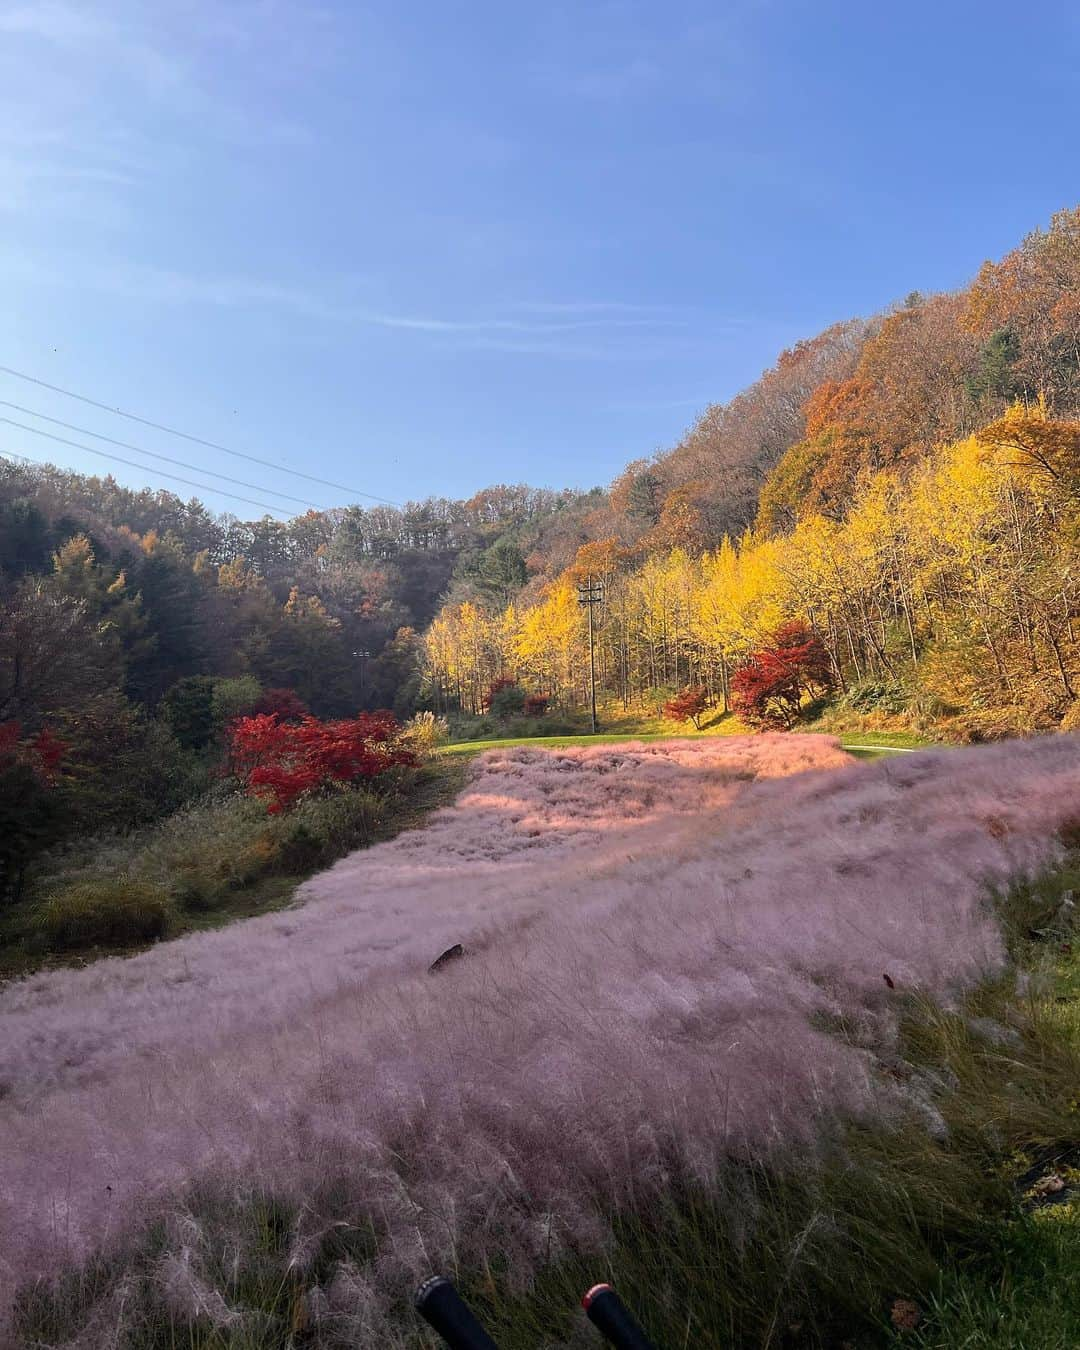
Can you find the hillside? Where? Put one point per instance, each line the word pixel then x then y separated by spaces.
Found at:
pixel 866 395
pixel 914 535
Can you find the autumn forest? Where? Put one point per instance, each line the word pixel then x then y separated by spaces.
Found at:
pixel 907 488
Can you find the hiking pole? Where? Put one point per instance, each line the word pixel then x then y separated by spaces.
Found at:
pixel 443 1308
pixel 607 1312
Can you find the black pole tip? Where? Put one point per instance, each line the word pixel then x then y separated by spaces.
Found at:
pixel 426 1289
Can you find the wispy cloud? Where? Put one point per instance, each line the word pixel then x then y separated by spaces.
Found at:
pixel 105 37
pixel 497 324
pixel 242 292
pixel 528 327
pixel 554 346
pixel 591 307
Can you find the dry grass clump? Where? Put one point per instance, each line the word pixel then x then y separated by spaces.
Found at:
pixel 202 855
pixel 115 912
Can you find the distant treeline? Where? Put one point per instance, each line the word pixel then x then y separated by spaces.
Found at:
pixel 327 604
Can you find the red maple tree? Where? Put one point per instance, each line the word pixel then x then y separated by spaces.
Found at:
pixel 688 706
pixel 42 752
pixel 281 761
pixel 767 689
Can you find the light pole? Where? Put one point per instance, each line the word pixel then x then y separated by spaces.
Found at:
pixel 591 593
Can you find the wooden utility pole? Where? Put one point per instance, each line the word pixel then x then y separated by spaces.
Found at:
pixel 591 593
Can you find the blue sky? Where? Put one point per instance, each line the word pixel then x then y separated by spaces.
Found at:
pixel 421 247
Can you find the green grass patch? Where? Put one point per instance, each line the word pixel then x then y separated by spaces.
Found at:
pixel 870 747
pixel 1024 1298
pixel 614 724
pixel 1018 1287
pixel 907 740
pixel 563 742
pixel 617 725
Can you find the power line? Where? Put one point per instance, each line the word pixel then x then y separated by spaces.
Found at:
pixel 196 440
pixel 168 459
pixel 203 487
pixel 61 440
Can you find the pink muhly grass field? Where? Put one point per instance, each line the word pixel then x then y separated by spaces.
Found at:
pixel 651 931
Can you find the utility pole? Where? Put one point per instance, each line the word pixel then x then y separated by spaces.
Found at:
pixel 591 593
pixel 362 656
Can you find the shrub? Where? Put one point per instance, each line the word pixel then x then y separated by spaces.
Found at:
pixel 300 849
pixel 188 709
pixel 233 698
pixel 464 728
pixel 197 890
pixel 508 701
pixel 688 706
pixel 767 689
pixel 194 889
pixel 207 881
pixel 929 707
pixel 283 761
pixel 875 696
pixel 423 733
pixel 122 768
pixel 1071 720
pixel 536 705
pixel 323 829
pixel 205 855
pixel 112 913
pixel 494 689
pixel 504 697
pixel 199 854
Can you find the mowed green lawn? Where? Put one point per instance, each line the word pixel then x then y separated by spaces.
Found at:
pixel 864 745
